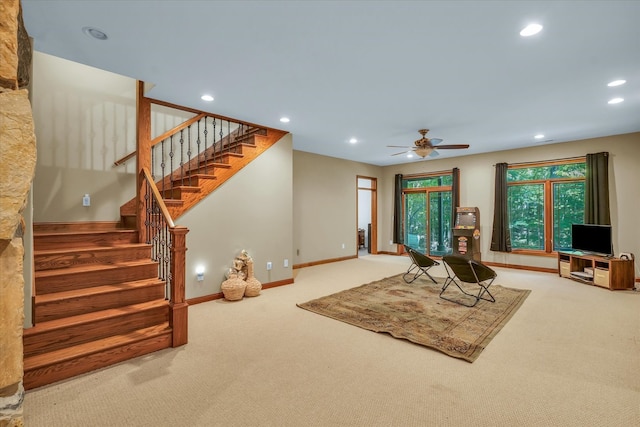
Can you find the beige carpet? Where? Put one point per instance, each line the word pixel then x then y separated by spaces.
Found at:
pixel 415 312
pixel 570 357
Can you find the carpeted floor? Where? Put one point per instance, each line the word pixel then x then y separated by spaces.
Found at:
pixel 415 312
pixel 570 356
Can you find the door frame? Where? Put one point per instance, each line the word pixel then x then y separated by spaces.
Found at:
pixel 374 211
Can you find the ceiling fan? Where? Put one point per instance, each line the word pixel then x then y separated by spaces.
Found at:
pixel 427 146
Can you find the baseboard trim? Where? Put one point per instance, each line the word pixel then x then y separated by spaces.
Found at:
pixel 220 295
pixel 522 267
pixel 323 261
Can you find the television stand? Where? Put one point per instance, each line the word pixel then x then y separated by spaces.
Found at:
pixel 607 272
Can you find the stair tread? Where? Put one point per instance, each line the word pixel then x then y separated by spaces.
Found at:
pixel 83 232
pixel 89 249
pixel 40 360
pixel 80 319
pixel 95 290
pixel 183 187
pixel 90 268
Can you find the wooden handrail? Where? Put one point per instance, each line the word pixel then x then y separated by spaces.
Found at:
pixel 165 135
pixel 175 275
pixel 156 193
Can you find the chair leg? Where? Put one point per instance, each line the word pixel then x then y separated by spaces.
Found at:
pixel 415 275
pixel 478 297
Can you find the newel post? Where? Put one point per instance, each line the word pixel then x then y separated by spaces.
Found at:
pixel 143 156
pixel 178 311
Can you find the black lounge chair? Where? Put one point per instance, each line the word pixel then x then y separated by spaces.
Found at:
pixel 420 263
pixel 466 270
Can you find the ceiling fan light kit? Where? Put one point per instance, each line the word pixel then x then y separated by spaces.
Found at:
pixel 427 146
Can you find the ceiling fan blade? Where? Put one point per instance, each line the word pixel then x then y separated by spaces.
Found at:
pixel 398 146
pixel 453 146
pixel 435 141
pixel 434 153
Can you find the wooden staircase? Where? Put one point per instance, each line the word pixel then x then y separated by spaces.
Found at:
pixel 98 301
pixel 198 178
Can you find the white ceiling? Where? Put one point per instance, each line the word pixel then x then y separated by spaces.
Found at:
pixel 374 70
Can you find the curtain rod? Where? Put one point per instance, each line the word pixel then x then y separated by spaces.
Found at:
pixel 546 161
pixel 417 175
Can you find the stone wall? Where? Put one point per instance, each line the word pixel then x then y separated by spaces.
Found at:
pixel 17 166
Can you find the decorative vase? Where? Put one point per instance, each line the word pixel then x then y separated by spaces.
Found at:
pixel 233 288
pixel 253 285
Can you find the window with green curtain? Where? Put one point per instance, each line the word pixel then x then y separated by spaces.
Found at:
pixel 533 225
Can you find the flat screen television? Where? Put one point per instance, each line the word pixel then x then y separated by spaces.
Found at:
pixel 591 238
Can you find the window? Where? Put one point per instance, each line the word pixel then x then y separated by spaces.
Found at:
pixel 427 213
pixel 543 201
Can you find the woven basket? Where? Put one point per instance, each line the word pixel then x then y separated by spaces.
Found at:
pixel 233 288
pixel 253 285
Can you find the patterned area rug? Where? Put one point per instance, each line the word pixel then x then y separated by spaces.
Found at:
pixel 416 313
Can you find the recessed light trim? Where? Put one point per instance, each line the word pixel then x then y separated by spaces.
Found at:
pixel 353 140
pixel 207 98
pixel 539 136
pixel 530 30
pixel 409 155
pixel 616 83
pixel 285 119
pixel 616 101
pixel 95 33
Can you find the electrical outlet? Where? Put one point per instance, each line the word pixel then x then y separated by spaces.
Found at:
pixel 391 242
pixel 343 246
pixel 286 263
pixel 269 265
pixel 86 200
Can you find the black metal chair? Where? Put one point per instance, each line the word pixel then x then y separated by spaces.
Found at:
pixel 465 270
pixel 420 263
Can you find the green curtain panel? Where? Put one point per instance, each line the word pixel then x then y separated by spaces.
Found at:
pixel 501 236
pixel 397 211
pixel 596 191
pixel 455 197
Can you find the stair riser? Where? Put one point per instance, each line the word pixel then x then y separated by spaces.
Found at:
pixel 81 280
pixel 176 193
pixel 75 259
pixel 71 335
pixel 52 310
pixel 194 181
pixel 66 369
pixel 69 241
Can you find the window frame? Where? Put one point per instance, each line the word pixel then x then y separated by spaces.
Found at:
pixel 548 215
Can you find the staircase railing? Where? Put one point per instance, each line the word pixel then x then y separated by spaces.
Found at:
pixel 168 247
pixel 196 146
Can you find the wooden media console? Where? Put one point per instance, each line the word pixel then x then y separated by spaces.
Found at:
pixel 610 273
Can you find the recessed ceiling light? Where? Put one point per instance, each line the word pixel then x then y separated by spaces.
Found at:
pixel 95 33
pixel 616 100
pixel 616 83
pixel 539 136
pixel 353 140
pixel 284 119
pixel 531 30
pixel 207 98
pixel 409 155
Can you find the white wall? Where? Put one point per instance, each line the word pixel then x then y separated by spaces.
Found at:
pixel 324 206
pixel 85 120
pixel 251 211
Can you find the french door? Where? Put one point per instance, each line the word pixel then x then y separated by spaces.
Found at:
pixel 427 220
